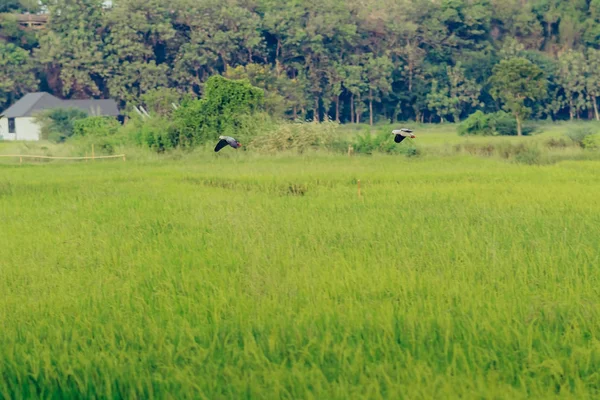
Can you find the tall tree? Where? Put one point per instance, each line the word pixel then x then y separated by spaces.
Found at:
pixel 592 79
pixel 515 81
pixel 439 101
pixel 571 77
pixel 377 72
pixel 71 52
pixel 463 91
pixel 17 74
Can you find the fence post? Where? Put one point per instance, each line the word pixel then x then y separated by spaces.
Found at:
pixel 92 151
pixel 21 160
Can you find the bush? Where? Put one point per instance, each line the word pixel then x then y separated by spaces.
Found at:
pixel 300 137
pixel 579 134
pixel 525 153
pixel 156 133
pixel 57 125
pixel 383 142
pixel 159 102
pixel 96 126
pixel 499 123
pixel 592 142
pixel 221 112
pixel 557 143
pixel 477 123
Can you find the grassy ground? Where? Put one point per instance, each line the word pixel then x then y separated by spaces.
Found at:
pixel 432 141
pixel 239 276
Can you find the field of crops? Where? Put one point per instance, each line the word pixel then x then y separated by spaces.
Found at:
pixel 244 276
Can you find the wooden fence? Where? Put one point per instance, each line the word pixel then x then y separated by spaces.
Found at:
pixel 22 156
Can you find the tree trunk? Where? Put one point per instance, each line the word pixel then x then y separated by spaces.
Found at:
pixel 316 111
pixel 295 112
pixel 571 109
pixel 370 107
pixel 595 103
pixel 278 49
pixel 519 129
pixel 352 108
pixel 337 108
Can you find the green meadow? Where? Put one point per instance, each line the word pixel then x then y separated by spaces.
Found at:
pixel 239 275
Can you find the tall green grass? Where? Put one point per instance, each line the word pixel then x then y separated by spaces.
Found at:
pixel 240 276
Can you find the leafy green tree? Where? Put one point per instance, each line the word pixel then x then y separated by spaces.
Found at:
pixel 355 85
pixel 221 111
pixel 336 75
pixel 160 101
pixel 515 81
pixel 71 52
pixel 266 78
pixel 571 77
pixel 439 101
pixel 17 73
pixel 463 91
pixel 592 79
pixel 377 72
pixel 139 34
pixel 57 125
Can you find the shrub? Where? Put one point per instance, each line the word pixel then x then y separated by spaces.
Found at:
pixel 382 142
pixel 57 125
pixel 525 153
pixel 579 134
pixel 477 123
pixel 299 137
pixel 557 143
pixel 499 123
pixel 592 142
pixel 220 112
pixel 95 126
pixel 156 133
pixel 159 102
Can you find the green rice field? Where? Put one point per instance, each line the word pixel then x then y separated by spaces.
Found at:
pixel 237 276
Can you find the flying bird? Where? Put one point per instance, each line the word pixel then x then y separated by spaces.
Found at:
pixel 227 141
pixel 401 134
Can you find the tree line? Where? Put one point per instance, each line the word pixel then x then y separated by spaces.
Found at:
pixel 348 60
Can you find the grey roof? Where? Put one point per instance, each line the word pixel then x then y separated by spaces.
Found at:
pixel 94 107
pixel 32 102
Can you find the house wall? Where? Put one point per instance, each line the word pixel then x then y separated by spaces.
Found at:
pixel 26 129
pixel 4 135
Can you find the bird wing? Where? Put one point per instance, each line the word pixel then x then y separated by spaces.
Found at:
pixel 399 138
pixel 222 143
pixel 1 116
pixel 406 130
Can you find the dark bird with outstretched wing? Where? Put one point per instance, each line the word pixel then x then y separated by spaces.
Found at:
pixel 227 141
pixel 401 134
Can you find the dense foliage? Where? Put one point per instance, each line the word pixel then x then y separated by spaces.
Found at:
pixel 352 61
pixel 57 125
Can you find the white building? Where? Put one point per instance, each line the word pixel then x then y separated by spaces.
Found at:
pixel 18 122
